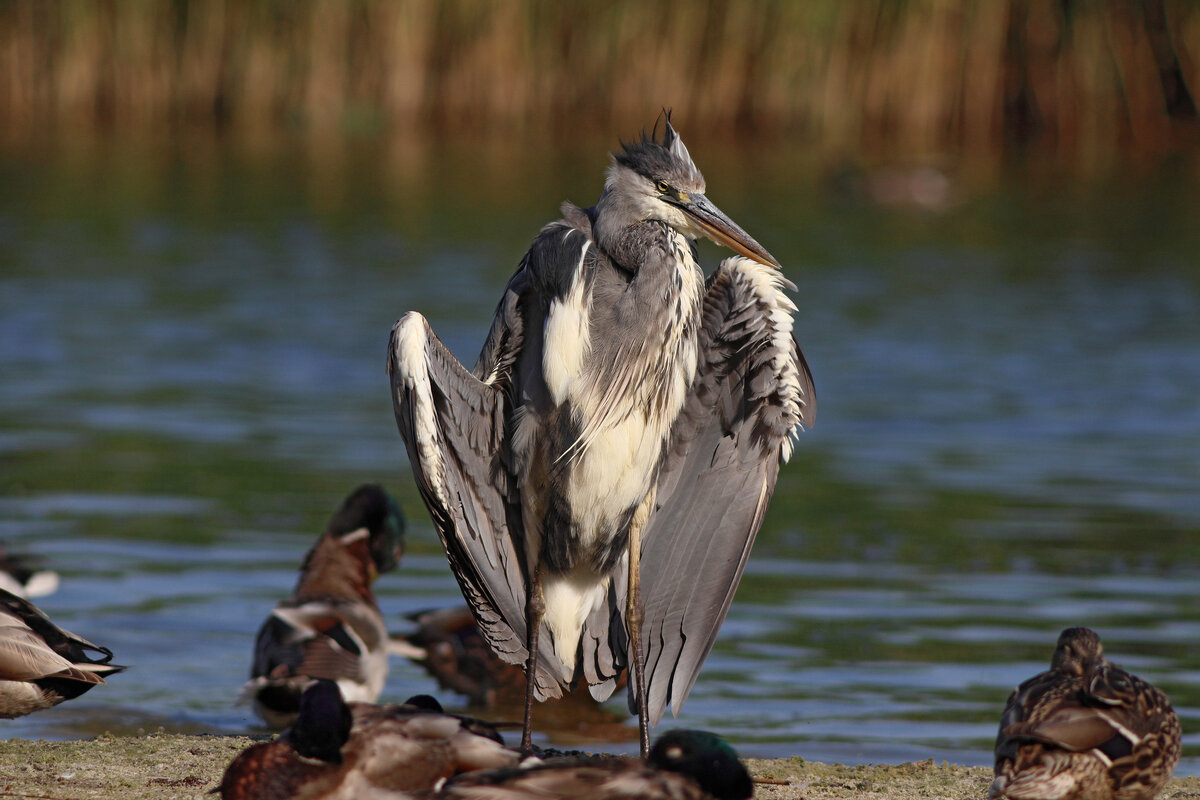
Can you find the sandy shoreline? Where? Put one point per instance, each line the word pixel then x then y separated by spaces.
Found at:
pixel 163 766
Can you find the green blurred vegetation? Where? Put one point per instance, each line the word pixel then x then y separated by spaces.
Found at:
pixel 252 492
pixel 829 518
pixel 1089 81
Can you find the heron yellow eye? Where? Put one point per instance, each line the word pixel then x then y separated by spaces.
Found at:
pixel 662 187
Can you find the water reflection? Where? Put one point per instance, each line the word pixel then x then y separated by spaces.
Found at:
pixel 193 377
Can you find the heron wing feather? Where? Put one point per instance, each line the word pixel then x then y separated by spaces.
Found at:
pixel 452 423
pixel 752 393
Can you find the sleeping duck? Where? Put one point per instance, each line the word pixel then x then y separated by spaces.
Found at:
pixel 331 626
pixel 41 665
pixel 355 751
pixel 682 765
pixel 1084 730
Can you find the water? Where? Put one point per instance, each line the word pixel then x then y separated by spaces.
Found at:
pixel 192 346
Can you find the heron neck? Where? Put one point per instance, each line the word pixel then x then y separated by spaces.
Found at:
pixel 621 224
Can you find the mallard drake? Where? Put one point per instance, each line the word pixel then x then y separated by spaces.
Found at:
pixel 352 751
pixel 331 626
pixel 1084 730
pixel 41 665
pixel 18 576
pixel 682 765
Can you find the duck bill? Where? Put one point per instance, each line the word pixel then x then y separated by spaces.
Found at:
pixel 724 231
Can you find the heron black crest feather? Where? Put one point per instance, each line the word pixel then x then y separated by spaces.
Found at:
pixel 666 159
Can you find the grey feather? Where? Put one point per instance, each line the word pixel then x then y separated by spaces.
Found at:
pixel 480 528
pixel 717 475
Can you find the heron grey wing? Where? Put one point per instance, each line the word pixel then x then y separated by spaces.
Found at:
pixel 751 394
pixel 453 427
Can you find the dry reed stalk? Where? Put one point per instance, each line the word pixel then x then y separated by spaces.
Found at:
pixel 919 77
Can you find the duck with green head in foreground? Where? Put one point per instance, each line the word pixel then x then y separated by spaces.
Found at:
pixel 682 765
pixel 41 665
pixel 331 626
pixel 1084 730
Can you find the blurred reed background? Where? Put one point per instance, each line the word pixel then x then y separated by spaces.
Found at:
pixel 1089 82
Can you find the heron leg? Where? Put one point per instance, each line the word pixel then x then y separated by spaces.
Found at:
pixel 633 621
pixel 535 609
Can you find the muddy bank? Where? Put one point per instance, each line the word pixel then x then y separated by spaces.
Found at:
pixel 162 766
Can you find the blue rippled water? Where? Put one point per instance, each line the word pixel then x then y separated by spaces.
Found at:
pixel 1007 442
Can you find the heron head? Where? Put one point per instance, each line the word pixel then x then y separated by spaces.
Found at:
pixel 656 179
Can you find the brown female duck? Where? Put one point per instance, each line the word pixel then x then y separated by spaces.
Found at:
pixel 355 751
pixel 41 665
pixel 682 765
pixel 1085 730
pixel 331 626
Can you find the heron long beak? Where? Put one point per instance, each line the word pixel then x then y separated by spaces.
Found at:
pixel 722 230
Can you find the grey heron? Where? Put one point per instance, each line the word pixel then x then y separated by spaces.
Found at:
pixel 598 479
